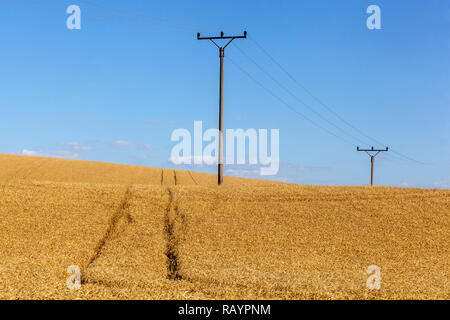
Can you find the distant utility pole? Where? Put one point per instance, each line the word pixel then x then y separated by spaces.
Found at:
pixel 221 54
pixel 372 158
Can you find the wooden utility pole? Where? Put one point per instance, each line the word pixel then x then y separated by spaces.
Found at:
pixel 372 158
pixel 221 55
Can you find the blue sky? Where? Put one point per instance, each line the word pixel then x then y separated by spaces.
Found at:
pixel 115 90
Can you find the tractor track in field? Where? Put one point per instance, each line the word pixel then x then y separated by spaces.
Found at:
pixel 26 170
pixel 190 174
pixel 174 227
pixel 168 179
pixel 120 213
pixel 39 164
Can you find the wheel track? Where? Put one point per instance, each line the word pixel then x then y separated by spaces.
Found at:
pixel 27 169
pixel 174 227
pixel 190 174
pixel 120 213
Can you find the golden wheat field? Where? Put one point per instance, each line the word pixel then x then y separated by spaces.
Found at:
pixel 149 233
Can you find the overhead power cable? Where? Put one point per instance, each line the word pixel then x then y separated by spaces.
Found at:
pixel 128 14
pixel 309 107
pixel 325 105
pixel 295 96
pixel 287 104
pixel 138 22
pixel 114 12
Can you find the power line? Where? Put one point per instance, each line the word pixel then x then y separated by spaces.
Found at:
pixel 139 14
pixel 390 157
pixel 132 15
pixel 162 25
pixel 295 96
pixel 307 91
pixel 324 104
pixel 139 24
pixel 302 102
pixel 287 104
pixel 33 5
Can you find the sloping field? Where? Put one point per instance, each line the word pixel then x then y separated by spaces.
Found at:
pixel 13 168
pixel 148 233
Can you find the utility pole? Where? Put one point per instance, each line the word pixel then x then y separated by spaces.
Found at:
pixel 221 55
pixel 372 158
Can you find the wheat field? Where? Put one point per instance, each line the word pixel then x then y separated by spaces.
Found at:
pixel 150 233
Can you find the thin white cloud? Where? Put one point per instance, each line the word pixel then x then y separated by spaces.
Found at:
pixel 301 169
pixel 52 154
pixel 127 145
pixel 157 122
pixel 76 146
pixel 152 122
pixel 441 184
pixel 205 160
pixel 404 184
pixel 243 172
